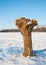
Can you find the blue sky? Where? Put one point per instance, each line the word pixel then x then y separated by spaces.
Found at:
pixel 10 10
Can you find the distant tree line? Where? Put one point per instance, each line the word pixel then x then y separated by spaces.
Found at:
pixel 41 29
pixel 38 29
pixel 9 30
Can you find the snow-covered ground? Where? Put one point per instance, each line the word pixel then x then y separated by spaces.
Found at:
pixel 11 49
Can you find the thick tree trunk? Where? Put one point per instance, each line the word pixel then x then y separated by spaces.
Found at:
pixel 27 45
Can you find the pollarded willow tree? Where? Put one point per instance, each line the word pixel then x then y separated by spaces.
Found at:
pixel 25 26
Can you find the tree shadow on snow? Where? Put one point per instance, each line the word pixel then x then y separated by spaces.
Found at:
pixel 40 52
pixel 18 50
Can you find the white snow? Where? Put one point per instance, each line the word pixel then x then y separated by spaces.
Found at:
pixel 29 23
pixel 11 49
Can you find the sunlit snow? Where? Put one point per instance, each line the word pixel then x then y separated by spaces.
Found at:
pixel 11 49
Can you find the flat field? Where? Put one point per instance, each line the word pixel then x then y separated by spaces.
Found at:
pixel 11 49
